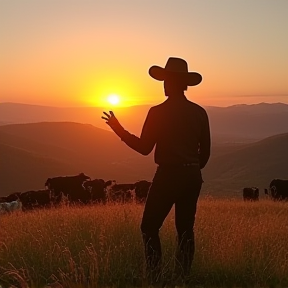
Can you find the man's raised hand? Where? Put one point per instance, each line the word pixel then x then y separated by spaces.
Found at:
pixel 112 121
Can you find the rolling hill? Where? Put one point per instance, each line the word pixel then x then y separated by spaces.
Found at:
pixel 22 169
pixel 30 153
pixel 71 148
pixel 254 164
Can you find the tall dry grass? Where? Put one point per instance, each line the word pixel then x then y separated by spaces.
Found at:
pixel 238 244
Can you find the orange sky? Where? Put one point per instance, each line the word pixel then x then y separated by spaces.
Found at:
pixel 71 53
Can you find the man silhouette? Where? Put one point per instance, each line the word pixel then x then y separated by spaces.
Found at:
pixel 179 130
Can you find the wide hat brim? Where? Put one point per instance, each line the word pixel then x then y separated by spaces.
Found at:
pixel 160 74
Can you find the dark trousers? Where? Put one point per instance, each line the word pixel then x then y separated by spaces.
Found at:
pixel 171 185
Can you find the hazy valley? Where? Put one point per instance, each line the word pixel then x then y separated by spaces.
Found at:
pixel 249 146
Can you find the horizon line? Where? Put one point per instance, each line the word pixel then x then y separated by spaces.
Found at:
pixel 123 107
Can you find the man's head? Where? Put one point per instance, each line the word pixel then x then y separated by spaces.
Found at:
pixel 175 76
pixel 174 84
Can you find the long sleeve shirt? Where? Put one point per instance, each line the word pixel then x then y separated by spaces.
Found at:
pixel 180 131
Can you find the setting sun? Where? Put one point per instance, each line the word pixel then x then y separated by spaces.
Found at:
pixel 113 99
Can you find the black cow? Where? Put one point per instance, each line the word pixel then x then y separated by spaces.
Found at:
pixel 10 198
pixel 121 192
pixel 3 199
pixel 278 189
pixel 128 192
pixel 69 187
pixel 35 199
pixel 250 194
pixel 97 189
pixel 141 190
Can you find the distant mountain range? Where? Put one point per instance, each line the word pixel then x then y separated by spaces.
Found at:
pixel 15 113
pixel 32 152
pixel 238 123
pixel 246 122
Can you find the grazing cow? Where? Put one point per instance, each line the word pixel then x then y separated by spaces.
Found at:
pixel 36 199
pixel 13 196
pixel 10 198
pixel 251 194
pixel 141 190
pixel 8 207
pixel 70 187
pixel 130 191
pixel 97 189
pixel 278 189
pixel 121 192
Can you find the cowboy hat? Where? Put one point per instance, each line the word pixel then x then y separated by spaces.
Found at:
pixel 175 66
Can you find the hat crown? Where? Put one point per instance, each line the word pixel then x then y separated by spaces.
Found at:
pixel 176 65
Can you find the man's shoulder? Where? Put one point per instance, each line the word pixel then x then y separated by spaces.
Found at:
pixel 189 104
pixel 156 107
pixel 195 106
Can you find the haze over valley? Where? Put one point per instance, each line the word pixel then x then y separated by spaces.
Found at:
pixel 249 146
pixel 240 123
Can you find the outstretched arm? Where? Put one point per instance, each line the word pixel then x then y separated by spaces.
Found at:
pixel 143 145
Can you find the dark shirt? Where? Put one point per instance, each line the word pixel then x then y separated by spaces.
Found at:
pixel 180 130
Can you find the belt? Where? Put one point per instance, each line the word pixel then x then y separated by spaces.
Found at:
pixel 178 165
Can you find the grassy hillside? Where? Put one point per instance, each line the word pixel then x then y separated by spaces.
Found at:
pixel 237 245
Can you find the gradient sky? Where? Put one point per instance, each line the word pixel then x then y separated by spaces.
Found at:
pixel 70 53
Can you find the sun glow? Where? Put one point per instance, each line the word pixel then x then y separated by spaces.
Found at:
pixel 113 99
pixel 109 87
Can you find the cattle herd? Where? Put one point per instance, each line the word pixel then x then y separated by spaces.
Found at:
pixel 278 190
pixel 81 189
pixel 77 189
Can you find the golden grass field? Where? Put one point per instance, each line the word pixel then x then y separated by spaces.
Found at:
pixel 238 244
